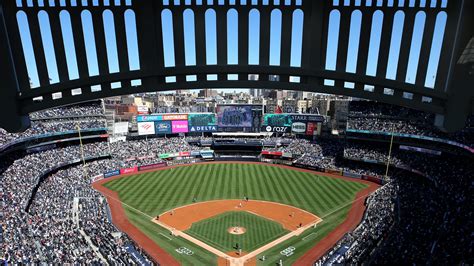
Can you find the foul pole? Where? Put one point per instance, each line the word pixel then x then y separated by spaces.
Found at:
pixel 389 155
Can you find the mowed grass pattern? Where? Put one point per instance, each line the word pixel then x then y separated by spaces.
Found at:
pixel 156 192
pixel 260 231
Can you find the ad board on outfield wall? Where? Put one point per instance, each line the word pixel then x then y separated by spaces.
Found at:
pixel 163 127
pixel 238 116
pixel 111 173
pixel 128 170
pixel 372 179
pixel 202 122
pixel 175 117
pixel 149 118
pixel 304 124
pixel 277 120
pixel 350 174
pixel 180 126
pixel 152 166
pixel 146 128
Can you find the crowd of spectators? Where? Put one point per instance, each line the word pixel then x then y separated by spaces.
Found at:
pixel 412 219
pixel 325 154
pixel 67 212
pixel 379 217
pixel 370 116
pixel 48 233
pixel 84 116
pixel 434 217
pixel 150 147
pixel 78 110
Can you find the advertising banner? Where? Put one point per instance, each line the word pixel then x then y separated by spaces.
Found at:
pixel 276 153
pixel 121 128
pixel 142 109
pixel 298 128
pixel 207 152
pixel 282 129
pixel 111 173
pixel 163 127
pixel 179 126
pixel 97 178
pixel 234 116
pixel 349 174
pixel 149 118
pixel 195 153
pixel 184 154
pixel 128 170
pixel 333 171
pixel 310 167
pixel 287 155
pixel 146 128
pixel 203 128
pixel 152 166
pixel 175 117
pixel 372 179
pixel 310 128
pixel 306 118
pixel 277 120
pixel 202 120
pixel 164 155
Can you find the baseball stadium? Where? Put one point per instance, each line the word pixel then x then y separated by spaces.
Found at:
pixel 236 132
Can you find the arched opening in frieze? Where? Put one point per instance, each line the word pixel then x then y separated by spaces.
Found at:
pixel 254 37
pixel 232 37
pixel 27 46
pixel 415 47
pixel 89 42
pixel 132 40
pixel 275 37
pixel 69 46
pixel 395 45
pixel 374 44
pixel 211 37
pixel 168 38
pixel 189 38
pixel 435 49
pixel 110 41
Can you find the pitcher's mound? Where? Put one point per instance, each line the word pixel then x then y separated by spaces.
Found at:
pixel 236 230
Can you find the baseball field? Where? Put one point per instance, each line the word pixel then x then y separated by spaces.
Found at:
pixel 195 213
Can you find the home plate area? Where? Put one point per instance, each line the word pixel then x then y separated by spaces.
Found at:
pixel 237 230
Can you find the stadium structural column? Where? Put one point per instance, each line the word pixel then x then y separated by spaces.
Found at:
pixel 460 76
pixel 9 85
pixel 315 28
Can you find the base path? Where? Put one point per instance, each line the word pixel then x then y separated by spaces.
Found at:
pixel 289 217
pixel 120 219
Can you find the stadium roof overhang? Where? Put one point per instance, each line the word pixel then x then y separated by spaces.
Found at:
pixel 59 52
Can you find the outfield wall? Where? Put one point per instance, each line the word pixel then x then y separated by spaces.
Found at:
pixel 136 169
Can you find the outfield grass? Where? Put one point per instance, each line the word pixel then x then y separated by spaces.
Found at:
pixel 149 194
pixel 260 231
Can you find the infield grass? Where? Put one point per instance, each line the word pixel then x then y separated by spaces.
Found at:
pixel 259 231
pixel 149 194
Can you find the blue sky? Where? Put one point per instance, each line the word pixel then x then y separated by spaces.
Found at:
pixel 232 53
